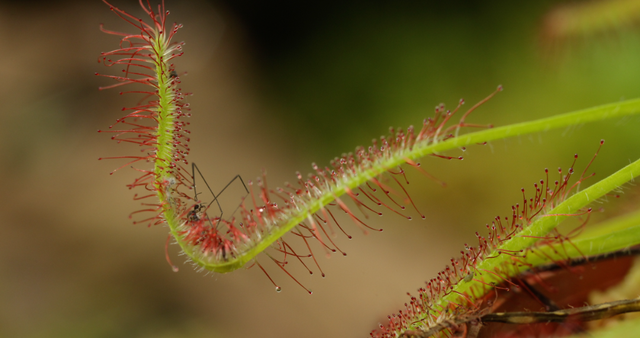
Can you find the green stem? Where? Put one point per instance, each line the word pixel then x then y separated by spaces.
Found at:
pixel 603 112
pixel 165 133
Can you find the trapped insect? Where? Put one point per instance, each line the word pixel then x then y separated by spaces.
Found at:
pixel 199 210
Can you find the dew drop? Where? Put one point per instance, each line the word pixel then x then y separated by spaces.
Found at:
pixel 278 289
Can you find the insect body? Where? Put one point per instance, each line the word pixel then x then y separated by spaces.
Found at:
pixel 196 213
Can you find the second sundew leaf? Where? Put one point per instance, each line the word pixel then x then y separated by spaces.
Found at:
pixel 498 260
pixel 546 223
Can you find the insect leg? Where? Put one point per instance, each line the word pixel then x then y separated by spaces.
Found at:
pixel 225 187
pixel 194 167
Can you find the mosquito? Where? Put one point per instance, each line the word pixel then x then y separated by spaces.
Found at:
pixel 200 210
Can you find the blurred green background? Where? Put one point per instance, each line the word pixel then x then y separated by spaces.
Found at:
pixel 278 85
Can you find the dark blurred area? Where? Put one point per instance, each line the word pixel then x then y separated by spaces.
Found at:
pixel 278 86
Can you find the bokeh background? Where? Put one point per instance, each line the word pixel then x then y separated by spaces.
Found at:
pixel 278 85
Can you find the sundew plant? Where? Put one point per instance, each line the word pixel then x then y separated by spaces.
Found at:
pixel 370 180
